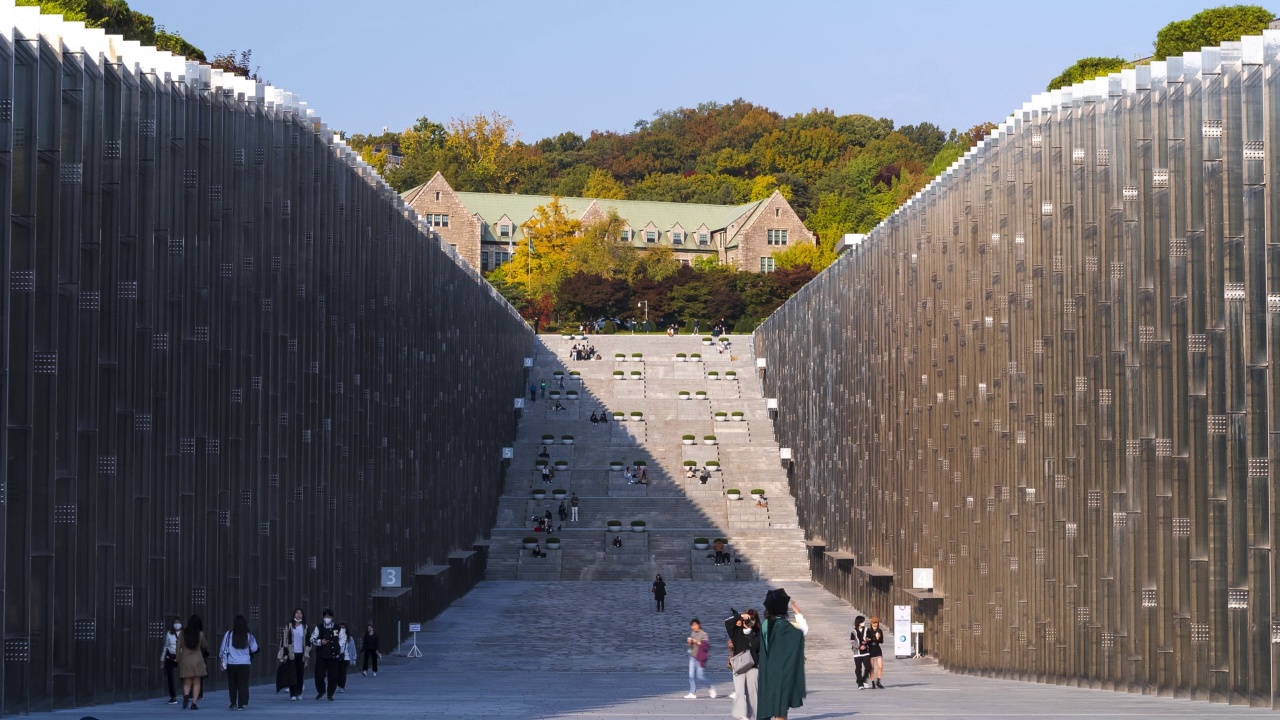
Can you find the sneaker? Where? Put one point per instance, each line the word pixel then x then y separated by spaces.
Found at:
pixel 194 706
pixel 733 696
pixel 375 673
pixel 330 698
pixel 690 696
pixel 342 690
pixel 713 693
pixel 364 673
pixel 172 701
pixel 294 698
pixel 319 695
pixel 862 686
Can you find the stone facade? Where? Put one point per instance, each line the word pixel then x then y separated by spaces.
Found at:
pixel 460 228
pixel 752 237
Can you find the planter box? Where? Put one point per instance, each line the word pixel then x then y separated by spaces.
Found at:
pixel 681 358
pixel 566 441
pixel 615 467
pixel 539 496
pixel 701 546
pixel 530 546
pixel 637 418
pixel 614 528
pixel 734 496
pixel 707 342
pixel 713 467
pixel 559 496
pixel 690 441
pixel 708 442
pixel 548 441
pixel 573 394
pixel 637 528
pixel 721 417
pixel 562 465
pixel 738 418
pixel 685 396
pixel 713 376
pixel 553 546
pixel 702 395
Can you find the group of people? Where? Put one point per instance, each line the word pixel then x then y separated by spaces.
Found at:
pixel 701 476
pixel 583 352
pixel 765 656
pixel 335 651
pixel 599 416
pixel 186 653
pixel 868 657
pixel 636 475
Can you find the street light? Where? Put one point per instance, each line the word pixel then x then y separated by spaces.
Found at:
pixel 645 303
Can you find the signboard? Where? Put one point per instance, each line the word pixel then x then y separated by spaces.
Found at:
pixel 771 403
pixel 415 627
pixel 902 630
pixel 917 628
pixel 528 362
pixel 519 403
pixel 391 577
pixel 508 453
pixel 922 578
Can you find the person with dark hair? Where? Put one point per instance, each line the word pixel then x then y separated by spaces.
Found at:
pixel 330 641
pixel 781 681
pixel 296 651
pixel 238 648
pixel 699 649
pixel 192 649
pixel 659 591
pixel 744 656
pixel 169 658
pixel 861 651
pixel 369 648
pixel 348 657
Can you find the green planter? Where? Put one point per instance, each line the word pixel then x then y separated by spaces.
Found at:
pixel 708 439
pixel 637 526
pixel 691 463
pixel 553 543
pixel 614 525
pixel 701 543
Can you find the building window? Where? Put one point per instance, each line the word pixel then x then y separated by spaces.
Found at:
pixel 684 261
pixel 677 238
pixel 777 212
pixel 625 236
pixel 650 236
pixel 437 196
pixel 766 265
pixel 484 261
pixel 437 220
pixel 702 238
pixel 504 230
pixel 501 258
pixel 777 237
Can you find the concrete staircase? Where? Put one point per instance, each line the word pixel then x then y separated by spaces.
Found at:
pixel 675 398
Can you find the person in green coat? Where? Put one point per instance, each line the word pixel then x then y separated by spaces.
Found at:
pixel 781 678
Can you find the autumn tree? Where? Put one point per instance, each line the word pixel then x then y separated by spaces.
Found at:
pixel 541 257
pixel 1211 27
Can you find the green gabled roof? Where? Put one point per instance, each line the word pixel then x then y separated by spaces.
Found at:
pixel 638 213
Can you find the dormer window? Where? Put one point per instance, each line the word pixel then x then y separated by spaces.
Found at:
pixel 702 238
pixel 504 230
pixel 650 236
pixel 677 237
pixel 625 235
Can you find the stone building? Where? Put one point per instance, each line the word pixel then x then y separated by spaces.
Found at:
pixel 486 228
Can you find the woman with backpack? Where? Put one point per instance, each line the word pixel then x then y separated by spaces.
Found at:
pixel 237 650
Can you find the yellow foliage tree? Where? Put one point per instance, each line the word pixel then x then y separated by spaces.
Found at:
pixel 542 260
pixel 764 185
pixel 596 251
pixel 602 184
pixel 485 146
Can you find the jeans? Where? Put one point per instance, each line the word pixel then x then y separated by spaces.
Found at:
pixel 696 675
pixel 573 512
pixel 238 685
pixel 745 689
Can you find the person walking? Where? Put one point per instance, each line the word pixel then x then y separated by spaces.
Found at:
pixel 861 651
pixel 781 680
pixel 192 649
pixel 875 638
pixel 237 650
pixel 329 642
pixel 573 507
pixel 295 650
pixel 659 591
pixel 369 648
pixel 744 656
pixel 169 659
pixel 699 649
pixel 348 657
pixel 533 393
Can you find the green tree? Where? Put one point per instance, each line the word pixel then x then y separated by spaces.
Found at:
pixel 116 17
pixel 1211 27
pixel 1087 69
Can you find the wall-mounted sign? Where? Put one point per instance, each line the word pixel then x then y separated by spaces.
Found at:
pixel 922 578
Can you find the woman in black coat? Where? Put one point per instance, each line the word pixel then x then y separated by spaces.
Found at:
pixel 744 637
pixel 369 649
pixel 659 591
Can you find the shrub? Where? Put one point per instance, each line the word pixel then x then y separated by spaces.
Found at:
pixel 708 437
pixel 713 463
pixel 539 462
pixel 707 338
pixel 696 356
pixel 702 541
pixel 531 540
pixel 757 491
pixel 635 373
pixel 720 414
pixel 548 437
pixel 637 523
pixel 680 355
pixel 617 414
pixel 570 437
pixel 575 373
pixel 745 326
pixel 641 463
pixel 609 328
pixel 551 540
pixel 687 437
pixel 559 491
pixel 690 463
pixel 637 413
pixel 558 373
pixel 614 523
pixel 618 373
pixel 637 355
pixel 738 413
pixel 733 491
pixel 731 373
pixel 713 373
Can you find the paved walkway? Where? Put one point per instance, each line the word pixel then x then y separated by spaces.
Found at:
pixel 598 650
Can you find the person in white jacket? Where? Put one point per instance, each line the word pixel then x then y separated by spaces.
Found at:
pixel 169 659
pixel 236 652
pixel 348 657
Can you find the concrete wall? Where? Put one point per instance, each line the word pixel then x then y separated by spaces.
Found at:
pixel 1054 378
pixel 233 370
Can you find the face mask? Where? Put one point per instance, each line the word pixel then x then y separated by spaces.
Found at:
pixel 328 622
pixel 746 631
pixel 177 627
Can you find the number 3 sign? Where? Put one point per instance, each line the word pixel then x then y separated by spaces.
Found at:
pixel 391 577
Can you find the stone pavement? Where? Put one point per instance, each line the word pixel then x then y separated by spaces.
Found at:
pixel 598 650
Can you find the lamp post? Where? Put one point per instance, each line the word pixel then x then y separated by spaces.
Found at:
pixel 645 303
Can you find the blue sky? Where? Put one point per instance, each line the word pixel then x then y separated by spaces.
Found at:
pixel 553 65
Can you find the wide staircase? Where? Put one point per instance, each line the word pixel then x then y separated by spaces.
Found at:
pixel 672 404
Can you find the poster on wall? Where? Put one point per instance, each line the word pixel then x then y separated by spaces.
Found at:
pixel 902 631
